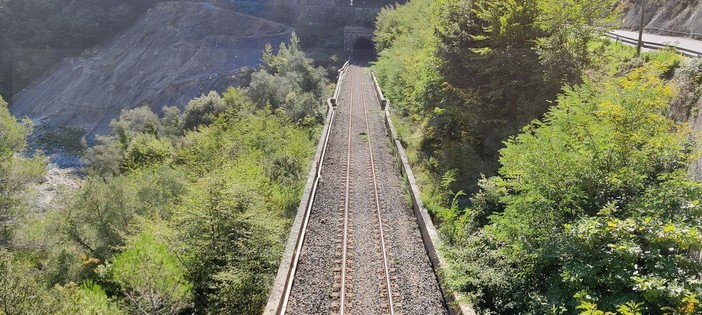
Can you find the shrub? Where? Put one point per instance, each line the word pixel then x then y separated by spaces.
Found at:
pixel 151 278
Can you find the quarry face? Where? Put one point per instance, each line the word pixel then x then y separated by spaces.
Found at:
pixel 175 52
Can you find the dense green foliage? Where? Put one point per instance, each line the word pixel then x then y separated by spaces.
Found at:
pixel 592 208
pixel 151 278
pixel 36 34
pixel 15 172
pixel 588 210
pixel 186 212
pixel 471 73
pixel 290 84
pixel 21 292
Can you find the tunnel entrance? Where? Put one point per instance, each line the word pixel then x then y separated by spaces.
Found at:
pixel 363 49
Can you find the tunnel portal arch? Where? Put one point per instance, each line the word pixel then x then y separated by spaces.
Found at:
pixel 363 49
pixel 358 42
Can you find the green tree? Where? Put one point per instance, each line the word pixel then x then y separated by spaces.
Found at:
pixel 88 299
pixel 231 223
pixel 16 171
pixel 18 289
pixel 231 239
pixel 289 82
pixel 22 290
pixel 592 207
pixel 98 217
pixel 201 111
pixel 146 150
pixel 571 27
pixel 470 74
pixel 463 119
pixel 139 138
pixel 151 278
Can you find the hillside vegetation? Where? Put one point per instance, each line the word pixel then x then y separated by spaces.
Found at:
pixel 473 73
pixel 182 213
pixel 545 154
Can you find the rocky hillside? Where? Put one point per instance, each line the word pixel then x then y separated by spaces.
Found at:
pixel 669 17
pixel 320 23
pixel 687 104
pixel 177 51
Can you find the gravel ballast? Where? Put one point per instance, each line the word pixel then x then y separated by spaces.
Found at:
pixel 413 282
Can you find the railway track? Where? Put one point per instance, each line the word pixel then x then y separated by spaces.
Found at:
pixel 343 264
pixel 362 251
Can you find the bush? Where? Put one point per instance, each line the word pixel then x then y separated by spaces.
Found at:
pixel 16 172
pixel 88 299
pixel 288 81
pixel 151 278
pixel 145 150
pixel 201 111
pixel 592 210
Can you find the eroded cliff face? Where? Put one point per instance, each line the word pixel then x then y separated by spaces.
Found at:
pixel 174 53
pixel 667 17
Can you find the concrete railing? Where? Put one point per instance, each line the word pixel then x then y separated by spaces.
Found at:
pixel 278 298
pixel 456 303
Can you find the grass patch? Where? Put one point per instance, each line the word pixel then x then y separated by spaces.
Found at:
pixel 364 136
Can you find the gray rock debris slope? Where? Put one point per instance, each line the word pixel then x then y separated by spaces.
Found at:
pixel 671 17
pixel 177 51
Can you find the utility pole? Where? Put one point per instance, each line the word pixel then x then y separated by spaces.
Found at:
pixel 641 28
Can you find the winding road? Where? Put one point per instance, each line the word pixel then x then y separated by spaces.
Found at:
pixel 681 42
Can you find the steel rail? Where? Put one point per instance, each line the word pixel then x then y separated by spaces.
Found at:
pixel 303 229
pixel 386 268
pixel 346 215
pixel 301 240
pixel 342 295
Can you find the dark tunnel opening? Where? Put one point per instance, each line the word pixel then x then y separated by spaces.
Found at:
pixel 363 50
